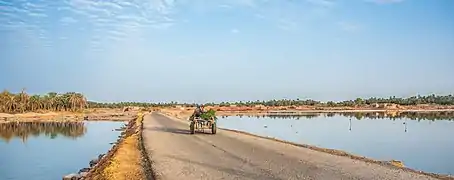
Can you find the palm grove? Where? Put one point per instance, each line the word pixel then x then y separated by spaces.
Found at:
pixel 22 102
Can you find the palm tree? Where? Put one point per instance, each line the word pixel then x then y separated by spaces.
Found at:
pixel 23 100
pixel 35 103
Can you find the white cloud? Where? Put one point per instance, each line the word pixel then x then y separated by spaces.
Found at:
pixel 384 1
pixel 161 25
pixel 26 20
pixel 33 6
pixel 326 3
pixel 68 20
pixel 225 6
pixel 117 33
pixel 119 19
pixel 286 24
pixel 37 14
pixel 125 3
pixel 349 26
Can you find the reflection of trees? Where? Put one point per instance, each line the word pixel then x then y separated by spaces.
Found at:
pixel 51 129
pixel 293 116
pixel 434 115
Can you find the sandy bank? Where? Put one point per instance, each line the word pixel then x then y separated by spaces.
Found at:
pixel 126 159
pixel 90 115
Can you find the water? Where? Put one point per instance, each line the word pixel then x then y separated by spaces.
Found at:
pixel 49 151
pixel 426 145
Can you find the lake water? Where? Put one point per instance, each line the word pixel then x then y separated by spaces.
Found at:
pixel 423 144
pixel 47 151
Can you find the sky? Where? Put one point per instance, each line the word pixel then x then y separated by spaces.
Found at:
pixel 227 50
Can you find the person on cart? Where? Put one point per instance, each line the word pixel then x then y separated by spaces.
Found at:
pixel 198 111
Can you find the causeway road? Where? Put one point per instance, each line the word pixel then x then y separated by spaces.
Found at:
pixel 175 154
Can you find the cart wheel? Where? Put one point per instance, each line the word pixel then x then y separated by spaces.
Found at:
pixel 191 127
pixel 213 128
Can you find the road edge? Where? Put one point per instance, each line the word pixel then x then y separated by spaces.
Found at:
pixel 146 160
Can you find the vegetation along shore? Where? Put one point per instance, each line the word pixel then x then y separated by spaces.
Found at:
pixel 73 106
pixel 21 102
pixel 128 158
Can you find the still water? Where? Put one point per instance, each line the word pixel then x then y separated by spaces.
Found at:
pixel 49 151
pixel 422 142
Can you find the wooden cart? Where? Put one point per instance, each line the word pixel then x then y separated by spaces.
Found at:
pixel 199 124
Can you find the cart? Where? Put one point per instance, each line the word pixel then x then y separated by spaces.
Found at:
pixel 199 125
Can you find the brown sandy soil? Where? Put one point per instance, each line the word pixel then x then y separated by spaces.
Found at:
pixel 176 154
pixel 125 161
pixel 88 114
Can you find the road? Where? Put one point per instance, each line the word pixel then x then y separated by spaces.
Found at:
pixel 178 155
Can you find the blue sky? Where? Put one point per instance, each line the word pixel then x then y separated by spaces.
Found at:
pixel 206 50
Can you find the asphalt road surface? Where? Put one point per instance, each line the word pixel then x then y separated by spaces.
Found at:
pixel 178 155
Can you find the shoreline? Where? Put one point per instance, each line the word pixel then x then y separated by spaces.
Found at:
pixel 336 152
pixel 346 110
pixel 100 114
pixel 126 158
pixel 112 115
pixel 302 112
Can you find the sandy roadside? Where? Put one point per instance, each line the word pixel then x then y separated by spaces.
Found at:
pixel 127 159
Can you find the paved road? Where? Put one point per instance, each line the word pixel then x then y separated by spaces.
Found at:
pixel 178 155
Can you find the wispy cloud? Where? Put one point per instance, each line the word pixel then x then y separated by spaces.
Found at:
pixel 286 24
pixel 384 1
pixel 118 19
pixel 68 20
pixel 115 20
pixel 349 26
pixel 26 19
pixel 325 3
pixel 225 6
pixel 37 14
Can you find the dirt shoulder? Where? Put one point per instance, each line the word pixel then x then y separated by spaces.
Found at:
pixel 126 160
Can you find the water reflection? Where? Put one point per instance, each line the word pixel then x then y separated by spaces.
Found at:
pixel 441 115
pixel 41 157
pixel 24 130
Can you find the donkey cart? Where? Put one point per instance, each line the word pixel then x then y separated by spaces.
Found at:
pixel 200 124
